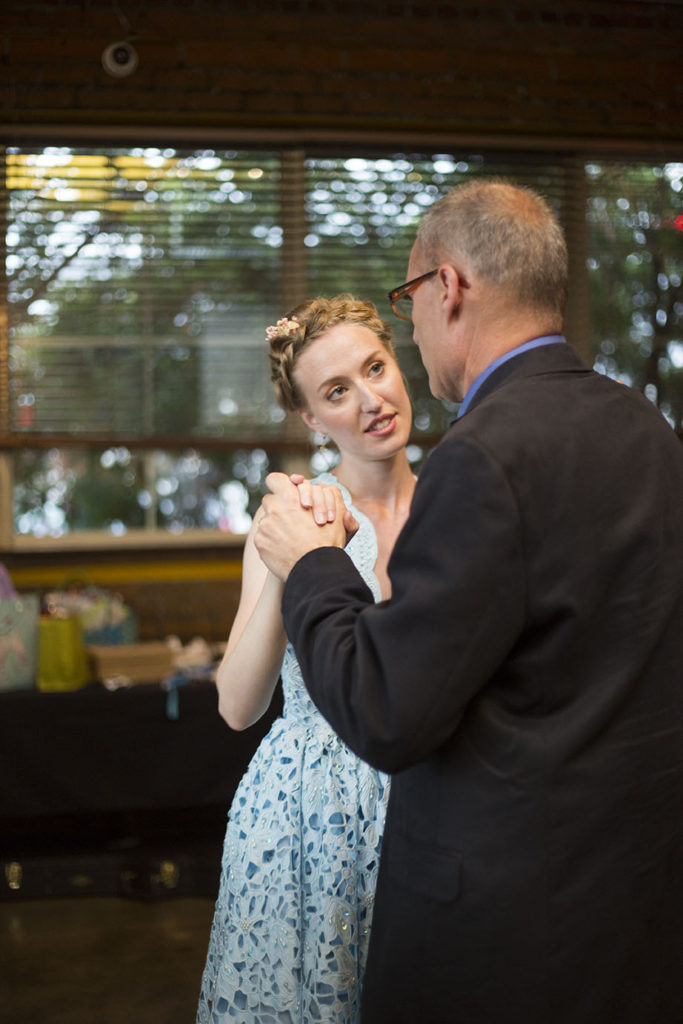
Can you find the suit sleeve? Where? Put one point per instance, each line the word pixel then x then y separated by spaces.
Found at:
pixel 393 679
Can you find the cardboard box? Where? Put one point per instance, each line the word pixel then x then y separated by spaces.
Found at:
pixel 141 663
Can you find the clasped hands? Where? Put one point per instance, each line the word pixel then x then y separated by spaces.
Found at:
pixel 296 517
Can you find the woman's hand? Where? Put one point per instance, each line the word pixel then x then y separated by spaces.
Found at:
pixel 320 498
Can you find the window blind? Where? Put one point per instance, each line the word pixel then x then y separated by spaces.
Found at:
pixel 139 284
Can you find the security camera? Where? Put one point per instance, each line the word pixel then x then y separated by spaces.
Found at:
pixel 120 59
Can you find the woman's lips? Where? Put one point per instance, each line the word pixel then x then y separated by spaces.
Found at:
pixel 382 425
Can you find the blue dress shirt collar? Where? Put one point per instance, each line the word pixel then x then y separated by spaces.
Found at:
pixel 546 339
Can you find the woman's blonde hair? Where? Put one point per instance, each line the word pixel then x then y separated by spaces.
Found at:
pixel 312 319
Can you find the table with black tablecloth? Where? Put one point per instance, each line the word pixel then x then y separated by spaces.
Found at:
pixel 90 771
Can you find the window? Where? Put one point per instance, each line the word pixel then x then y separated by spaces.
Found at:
pixel 139 282
pixel 634 219
pixel 134 390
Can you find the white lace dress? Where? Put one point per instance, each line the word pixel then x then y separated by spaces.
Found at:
pixel 290 931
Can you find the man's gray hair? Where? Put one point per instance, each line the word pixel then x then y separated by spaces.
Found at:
pixel 506 235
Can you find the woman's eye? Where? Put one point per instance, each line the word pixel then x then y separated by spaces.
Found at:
pixel 336 392
pixel 376 368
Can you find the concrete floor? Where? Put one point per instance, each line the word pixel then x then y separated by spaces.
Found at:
pixel 102 960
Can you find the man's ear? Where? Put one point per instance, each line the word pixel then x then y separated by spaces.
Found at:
pixel 452 286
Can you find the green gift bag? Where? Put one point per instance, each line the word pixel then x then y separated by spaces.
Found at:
pixel 18 641
pixel 62 661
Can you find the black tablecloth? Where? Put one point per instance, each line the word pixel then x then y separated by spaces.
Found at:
pixel 94 751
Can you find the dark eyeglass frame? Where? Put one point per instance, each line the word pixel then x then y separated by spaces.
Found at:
pixel 406 290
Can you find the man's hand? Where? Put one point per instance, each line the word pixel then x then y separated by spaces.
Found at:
pixel 286 531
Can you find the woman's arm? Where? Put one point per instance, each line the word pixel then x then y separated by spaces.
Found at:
pixel 250 668
pixel 248 674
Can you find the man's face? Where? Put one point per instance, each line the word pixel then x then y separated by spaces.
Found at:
pixel 430 331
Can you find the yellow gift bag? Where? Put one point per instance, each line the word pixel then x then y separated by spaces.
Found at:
pixel 62 661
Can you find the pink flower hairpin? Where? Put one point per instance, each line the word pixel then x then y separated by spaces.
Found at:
pixel 284 328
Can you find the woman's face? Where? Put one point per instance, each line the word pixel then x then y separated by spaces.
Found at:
pixel 353 390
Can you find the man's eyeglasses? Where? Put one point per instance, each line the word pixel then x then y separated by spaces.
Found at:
pixel 401 298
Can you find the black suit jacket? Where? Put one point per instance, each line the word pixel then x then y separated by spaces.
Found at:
pixel 524 685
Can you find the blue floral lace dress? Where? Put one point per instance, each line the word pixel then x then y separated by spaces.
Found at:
pixel 290 932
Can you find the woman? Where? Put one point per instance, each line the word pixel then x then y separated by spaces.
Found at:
pixel 291 928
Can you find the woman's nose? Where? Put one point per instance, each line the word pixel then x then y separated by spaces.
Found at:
pixel 371 401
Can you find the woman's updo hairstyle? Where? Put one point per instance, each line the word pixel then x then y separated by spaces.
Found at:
pixel 305 323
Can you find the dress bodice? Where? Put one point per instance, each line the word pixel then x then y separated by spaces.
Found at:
pixel 362 549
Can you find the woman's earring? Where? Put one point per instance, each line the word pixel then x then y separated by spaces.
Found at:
pixel 325 458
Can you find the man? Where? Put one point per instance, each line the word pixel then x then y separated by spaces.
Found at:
pixel 524 683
